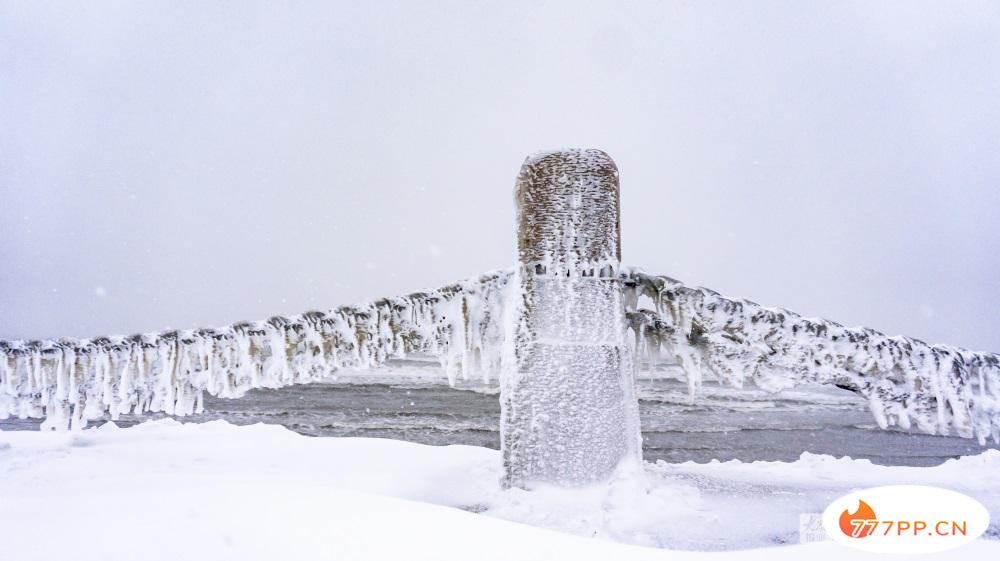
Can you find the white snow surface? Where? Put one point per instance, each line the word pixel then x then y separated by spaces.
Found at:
pixel 167 490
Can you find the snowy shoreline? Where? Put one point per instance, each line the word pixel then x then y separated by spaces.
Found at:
pixel 165 489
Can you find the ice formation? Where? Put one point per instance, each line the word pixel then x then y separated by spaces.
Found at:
pixel 71 381
pixel 564 329
pixel 938 389
pixel 569 412
pixel 907 382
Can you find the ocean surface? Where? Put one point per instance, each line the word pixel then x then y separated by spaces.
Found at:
pixel 720 423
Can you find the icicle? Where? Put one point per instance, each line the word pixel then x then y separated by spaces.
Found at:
pixel 935 388
pixel 938 388
pixel 71 382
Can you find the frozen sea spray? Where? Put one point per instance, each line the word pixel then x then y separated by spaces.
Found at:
pixel 569 414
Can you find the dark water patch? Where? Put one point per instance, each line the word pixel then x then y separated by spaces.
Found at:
pixel 757 426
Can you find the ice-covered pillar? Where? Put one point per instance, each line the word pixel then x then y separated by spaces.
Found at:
pixel 569 413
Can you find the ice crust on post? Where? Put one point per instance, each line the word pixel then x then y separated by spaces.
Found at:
pixel 71 381
pixel 936 388
pixel 569 413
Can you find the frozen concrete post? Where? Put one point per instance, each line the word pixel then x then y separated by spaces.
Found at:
pixel 569 411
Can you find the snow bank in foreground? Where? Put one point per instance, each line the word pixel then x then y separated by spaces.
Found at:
pixel 166 490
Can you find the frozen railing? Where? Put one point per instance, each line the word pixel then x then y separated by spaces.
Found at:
pixel 935 388
pixel 907 382
pixel 70 381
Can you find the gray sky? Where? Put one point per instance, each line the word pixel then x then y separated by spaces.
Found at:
pixel 191 164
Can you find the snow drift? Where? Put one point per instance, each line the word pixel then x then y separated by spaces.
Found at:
pixel 166 490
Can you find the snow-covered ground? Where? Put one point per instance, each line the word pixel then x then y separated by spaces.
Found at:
pixel 167 490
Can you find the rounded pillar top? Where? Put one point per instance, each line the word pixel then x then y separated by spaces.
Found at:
pixel 568 209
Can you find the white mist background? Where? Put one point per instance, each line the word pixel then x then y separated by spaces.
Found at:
pixel 189 164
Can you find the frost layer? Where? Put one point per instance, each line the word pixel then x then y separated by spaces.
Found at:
pixel 569 413
pixel 71 381
pixel 907 382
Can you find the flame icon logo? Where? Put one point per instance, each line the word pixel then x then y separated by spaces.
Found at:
pixel 860 524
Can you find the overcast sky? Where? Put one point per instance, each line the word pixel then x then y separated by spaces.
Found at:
pixel 190 164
